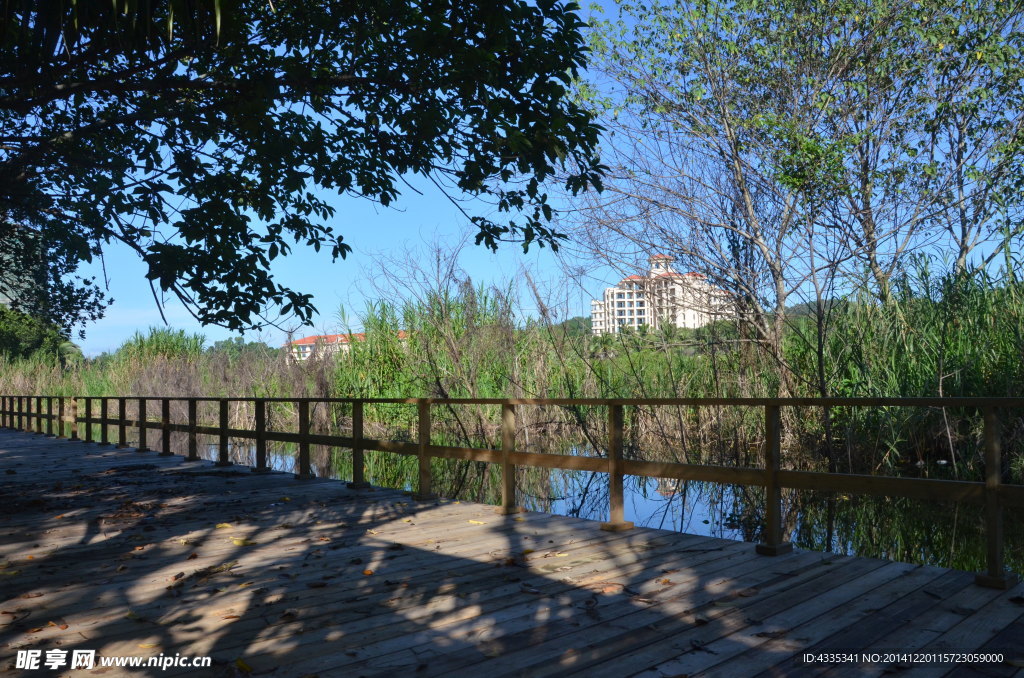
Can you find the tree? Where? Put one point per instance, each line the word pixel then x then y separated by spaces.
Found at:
pixel 202 139
pixel 22 336
pixel 796 151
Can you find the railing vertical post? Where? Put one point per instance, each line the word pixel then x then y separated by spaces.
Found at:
pixel 305 471
pixel 88 419
pixel 74 418
pixel 617 515
pixel 39 415
pixel 20 409
pixel 122 423
pixel 165 427
pixel 772 540
pixel 193 448
pixel 3 412
pixel 260 415
pixel 996 576
pixel 223 457
pixel 424 491
pixel 49 416
pixel 60 416
pixel 143 447
pixel 104 414
pixel 358 454
pixel 508 469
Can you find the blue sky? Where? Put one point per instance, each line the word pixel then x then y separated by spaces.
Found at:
pixel 404 231
pixel 373 232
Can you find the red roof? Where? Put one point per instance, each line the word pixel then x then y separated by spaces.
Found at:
pixel 633 277
pixel 336 339
pixel 663 256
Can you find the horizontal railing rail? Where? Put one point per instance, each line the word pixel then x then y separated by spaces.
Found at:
pixel 56 415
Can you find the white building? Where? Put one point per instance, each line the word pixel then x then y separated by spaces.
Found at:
pixel 328 344
pixel 662 297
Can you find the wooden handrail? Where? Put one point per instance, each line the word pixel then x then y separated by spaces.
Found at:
pixel 26 413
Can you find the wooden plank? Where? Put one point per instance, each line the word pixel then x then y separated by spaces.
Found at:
pixel 724 632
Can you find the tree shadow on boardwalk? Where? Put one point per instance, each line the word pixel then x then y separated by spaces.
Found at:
pixel 135 555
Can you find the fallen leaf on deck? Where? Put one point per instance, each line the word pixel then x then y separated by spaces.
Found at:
pixel 239 541
pixel 478 522
pixel 242 666
pixel 148 646
pixel 231 616
pixel 221 526
pixel 286 498
pixel 368 572
pixel 192 556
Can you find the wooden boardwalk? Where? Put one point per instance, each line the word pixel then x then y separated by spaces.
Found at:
pixel 135 554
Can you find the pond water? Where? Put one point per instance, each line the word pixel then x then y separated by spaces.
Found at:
pixel 943 534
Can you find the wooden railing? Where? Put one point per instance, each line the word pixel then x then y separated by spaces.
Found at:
pixel 58 415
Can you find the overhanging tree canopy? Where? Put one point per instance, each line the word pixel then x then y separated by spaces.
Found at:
pixel 199 133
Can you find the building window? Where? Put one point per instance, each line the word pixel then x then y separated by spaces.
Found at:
pixel 620 295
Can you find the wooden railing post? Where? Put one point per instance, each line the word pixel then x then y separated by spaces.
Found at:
pixel 74 418
pixel 39 415
pixel 508 469
pixel 165 427
pixel 358 454
pixel 49 416
pixel 996 576
pixel 260 416
pixel 143 447
pixel 122 423
pixel 223 456
pixel 424 490
pixel 617 515
pixel 88 419
pixel 60 416
pixel 3 411
pixel 772 540
pixel 104 414
pixel 193 448
pixel 305 470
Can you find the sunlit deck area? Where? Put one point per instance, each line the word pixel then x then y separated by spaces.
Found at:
pixel 136 554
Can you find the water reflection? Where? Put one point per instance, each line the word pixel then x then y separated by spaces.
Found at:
pixel 931 533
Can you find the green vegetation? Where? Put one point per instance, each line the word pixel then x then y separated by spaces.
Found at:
pixel 22 336
pixel 221 135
